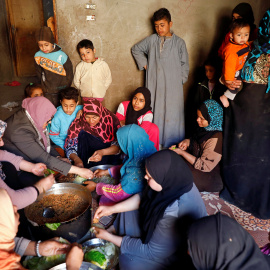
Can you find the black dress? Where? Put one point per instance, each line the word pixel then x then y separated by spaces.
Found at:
pixel 246 151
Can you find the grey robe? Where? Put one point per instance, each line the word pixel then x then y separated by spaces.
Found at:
pixel 166 73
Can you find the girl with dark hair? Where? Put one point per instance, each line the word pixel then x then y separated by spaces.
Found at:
pixel 138 111
pixel 203 151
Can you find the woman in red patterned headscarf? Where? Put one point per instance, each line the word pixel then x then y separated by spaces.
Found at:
pixel 91 139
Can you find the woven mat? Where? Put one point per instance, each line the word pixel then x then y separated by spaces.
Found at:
pixel 258 228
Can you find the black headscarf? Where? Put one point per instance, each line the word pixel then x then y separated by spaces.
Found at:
pixel 131 114
pixel 170 171
pixel 219 242
pixel 246 12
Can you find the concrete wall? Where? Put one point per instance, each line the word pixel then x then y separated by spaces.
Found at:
pixel 121 23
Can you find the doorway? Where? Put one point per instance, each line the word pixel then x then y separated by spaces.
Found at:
pixel 23 19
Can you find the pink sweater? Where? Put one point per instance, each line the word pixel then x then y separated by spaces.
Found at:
pixel 22 197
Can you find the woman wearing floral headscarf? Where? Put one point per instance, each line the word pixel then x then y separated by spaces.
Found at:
pixel 246 154
pixel 204 149
pixel 91 139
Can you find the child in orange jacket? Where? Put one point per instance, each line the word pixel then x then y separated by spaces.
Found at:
pixel 234 56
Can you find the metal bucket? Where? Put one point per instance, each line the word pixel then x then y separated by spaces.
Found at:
pixel 73 229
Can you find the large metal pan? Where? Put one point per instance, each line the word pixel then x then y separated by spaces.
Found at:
pixel 73 229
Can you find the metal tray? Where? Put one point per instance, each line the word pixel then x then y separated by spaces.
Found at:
pixel 96 242
pixel 101 167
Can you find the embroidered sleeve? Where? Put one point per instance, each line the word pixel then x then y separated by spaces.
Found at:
pixel 71 146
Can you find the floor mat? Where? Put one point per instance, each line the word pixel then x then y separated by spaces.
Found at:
pixel 258 228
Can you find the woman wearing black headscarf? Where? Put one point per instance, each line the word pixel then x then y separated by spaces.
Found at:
pixel 148 238
pixel 138 111
pixel 246 155
pixel 241 11
pixel 219 242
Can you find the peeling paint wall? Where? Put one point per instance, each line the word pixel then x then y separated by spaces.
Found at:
pixel 121 23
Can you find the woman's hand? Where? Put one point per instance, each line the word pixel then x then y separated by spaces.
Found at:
pixel 83 172
pixel 232 85
pixel 184 144
pixel 78 162
pixel 99 173
pixel 38 169
pixel 79 114
pixel 122 123
pixel 52 247
pixel 74 257
pixel 45 183
pixel 178 151
pixel 90 185
pixel 103 211
pixel 97 156
pixel 101 233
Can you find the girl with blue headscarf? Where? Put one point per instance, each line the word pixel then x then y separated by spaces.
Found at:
pixel 135 143
pixel 203 151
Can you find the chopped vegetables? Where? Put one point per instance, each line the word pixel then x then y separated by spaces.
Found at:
pixel 47 172
pixel 52 226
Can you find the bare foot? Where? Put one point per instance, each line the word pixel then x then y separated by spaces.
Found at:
pixel 224 101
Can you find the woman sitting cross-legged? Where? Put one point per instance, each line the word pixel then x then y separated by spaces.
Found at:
pixel 91 139
pixel 203 151
pixel 146 223
pixel 135 143
pixel 137 110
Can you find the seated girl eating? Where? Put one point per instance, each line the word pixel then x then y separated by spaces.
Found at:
pixel 203 151
pixel 135 143
pixel 137 110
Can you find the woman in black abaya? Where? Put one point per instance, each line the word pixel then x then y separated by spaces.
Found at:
pixel 246 148
pixel 219 242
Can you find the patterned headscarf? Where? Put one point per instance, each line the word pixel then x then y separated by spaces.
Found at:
pixel 3 126
pixel 41 110
pixel 260 46
pixel 132 115
pixel 213 113
pixel 8 258
pixel 105 129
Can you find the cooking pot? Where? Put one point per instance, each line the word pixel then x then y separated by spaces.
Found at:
pixel 72 229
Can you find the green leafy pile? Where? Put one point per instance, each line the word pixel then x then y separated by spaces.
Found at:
pixel 95 256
